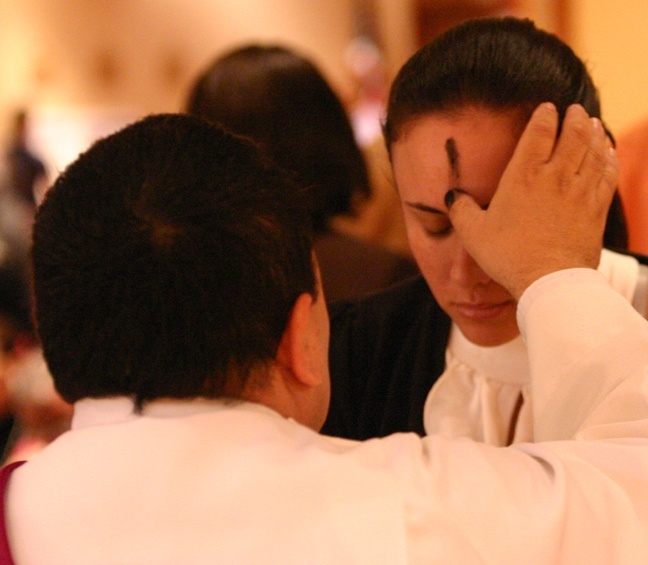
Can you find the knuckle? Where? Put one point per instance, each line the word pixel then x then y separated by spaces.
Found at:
pixel 580 132
pixel 599 160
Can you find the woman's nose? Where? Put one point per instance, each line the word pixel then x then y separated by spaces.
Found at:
pixel 465 270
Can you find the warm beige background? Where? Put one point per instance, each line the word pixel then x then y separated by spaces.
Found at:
pixel 613 38
pixel 116 59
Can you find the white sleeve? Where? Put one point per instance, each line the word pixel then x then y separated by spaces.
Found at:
pixel 588 350
pixel 628 277
pixel 621 271
pixel 581 497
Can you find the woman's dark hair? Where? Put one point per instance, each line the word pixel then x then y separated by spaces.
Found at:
pixel 281 100
pixel 500 64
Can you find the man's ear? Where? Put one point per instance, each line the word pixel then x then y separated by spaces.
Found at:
pixel 295 348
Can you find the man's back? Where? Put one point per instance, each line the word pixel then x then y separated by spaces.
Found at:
pixel 235 482
pixel 157 489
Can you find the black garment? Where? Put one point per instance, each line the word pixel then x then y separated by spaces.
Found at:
pixel 387 350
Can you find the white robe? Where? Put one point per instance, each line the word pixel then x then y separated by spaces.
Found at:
pixel 483 393
pixel 211 482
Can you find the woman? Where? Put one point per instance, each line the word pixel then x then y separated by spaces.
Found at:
pixel 455 113
pixel 281 100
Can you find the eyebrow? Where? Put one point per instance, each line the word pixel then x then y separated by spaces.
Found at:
pixel 425 208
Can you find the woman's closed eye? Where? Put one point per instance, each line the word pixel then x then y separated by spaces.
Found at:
pixel 438 227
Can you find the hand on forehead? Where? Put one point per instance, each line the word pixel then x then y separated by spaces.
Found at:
pixel 549 210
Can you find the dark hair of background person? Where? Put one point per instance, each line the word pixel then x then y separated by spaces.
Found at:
pixel 24 169
pixel 15 306
pixel 282 101
pixel 16 337
pixel 167 259
pixel 501 64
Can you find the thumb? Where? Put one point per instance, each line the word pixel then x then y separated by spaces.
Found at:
pixel 466 217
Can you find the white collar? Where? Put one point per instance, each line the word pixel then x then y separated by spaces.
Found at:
pixel 117 409
pixel 508 362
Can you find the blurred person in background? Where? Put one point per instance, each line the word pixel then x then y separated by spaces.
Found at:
pixel 32 413
pixel 15 335
pixel 26 173
pixel 379 218
pixel 280 99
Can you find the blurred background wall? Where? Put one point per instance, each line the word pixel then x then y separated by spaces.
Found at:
pixel 613 38
pixel 82 67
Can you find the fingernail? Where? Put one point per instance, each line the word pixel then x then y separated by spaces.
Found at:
pixel 451 196
pixel 575 108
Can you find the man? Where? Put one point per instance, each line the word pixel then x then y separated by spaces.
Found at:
pixel 179 308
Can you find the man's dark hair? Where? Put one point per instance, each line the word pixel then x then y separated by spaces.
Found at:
pixel 282 101
pixel 499 64
pixel 167 259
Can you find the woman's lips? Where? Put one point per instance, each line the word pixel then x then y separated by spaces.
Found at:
pixel 482 310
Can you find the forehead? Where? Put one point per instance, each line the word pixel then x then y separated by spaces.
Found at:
pixel 469 148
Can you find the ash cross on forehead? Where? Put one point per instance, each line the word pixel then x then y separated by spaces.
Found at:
pixel 454 177
pixel 453 159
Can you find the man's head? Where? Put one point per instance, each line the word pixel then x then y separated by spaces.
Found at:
pixel 167 263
